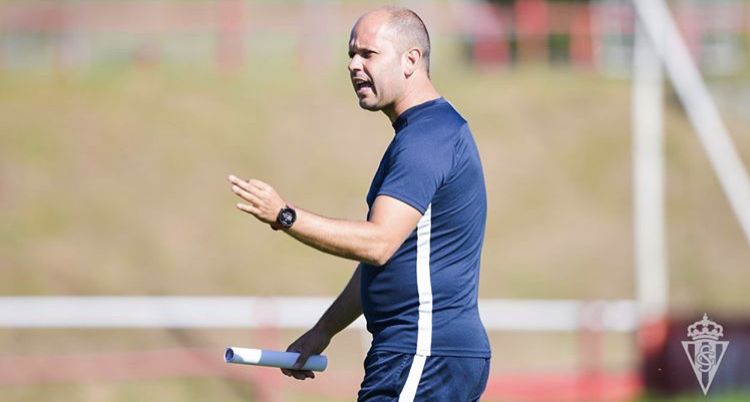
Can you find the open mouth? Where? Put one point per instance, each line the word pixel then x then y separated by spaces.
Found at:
pixel 361 85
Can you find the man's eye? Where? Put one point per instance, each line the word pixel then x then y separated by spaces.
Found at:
pixel 365 54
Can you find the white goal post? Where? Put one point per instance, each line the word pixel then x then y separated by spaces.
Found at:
pixel 659 44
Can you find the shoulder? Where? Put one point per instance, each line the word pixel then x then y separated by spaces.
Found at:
pixel 439 126
pixel 442 118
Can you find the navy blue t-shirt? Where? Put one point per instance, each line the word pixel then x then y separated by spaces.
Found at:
pixel 424 299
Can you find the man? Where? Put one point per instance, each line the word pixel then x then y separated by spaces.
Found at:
pixel 419 248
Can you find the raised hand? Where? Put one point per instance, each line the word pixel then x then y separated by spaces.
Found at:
pixel 261 200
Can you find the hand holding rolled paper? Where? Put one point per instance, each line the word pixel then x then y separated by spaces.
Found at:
pixel 272 358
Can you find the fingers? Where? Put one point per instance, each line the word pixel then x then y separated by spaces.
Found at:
pixel 248 185
pixel 249 191
pixel 301 360
pixel 242 193
pixel 298 374
pixel 249 209
pixel 262 186
pixel 264 202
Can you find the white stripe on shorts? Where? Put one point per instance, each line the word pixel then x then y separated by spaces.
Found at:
pixel 415 374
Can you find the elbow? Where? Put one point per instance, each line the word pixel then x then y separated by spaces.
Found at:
pixel 380 246
pixel 380 255
pixel 376 262
pixel 381 260
pixel 375 259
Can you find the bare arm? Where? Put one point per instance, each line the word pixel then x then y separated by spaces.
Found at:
pixel 344 310
pixel 373 241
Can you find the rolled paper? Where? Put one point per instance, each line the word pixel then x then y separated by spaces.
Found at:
pixel 272 358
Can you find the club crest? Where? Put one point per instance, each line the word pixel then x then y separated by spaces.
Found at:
pixel 705 351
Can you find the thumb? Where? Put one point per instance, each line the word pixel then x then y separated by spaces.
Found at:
pixel 302 359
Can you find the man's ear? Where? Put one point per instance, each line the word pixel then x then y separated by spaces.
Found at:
pixel 411 60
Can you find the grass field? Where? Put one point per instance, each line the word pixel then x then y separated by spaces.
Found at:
pixel 112 181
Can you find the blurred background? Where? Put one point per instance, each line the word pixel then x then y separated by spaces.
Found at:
pixel 120 120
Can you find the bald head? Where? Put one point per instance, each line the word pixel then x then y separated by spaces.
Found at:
pixel 389 64
pixel 408 31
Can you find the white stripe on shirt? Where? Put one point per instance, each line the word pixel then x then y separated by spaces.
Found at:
pixel 424 285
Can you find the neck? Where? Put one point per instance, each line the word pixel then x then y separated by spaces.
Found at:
pixel 413 97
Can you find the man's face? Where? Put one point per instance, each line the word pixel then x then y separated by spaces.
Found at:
pixel 375 65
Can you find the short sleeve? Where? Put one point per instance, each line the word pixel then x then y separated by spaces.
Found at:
pixel 415 172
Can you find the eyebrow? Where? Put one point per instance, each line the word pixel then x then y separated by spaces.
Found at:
pixel 352 52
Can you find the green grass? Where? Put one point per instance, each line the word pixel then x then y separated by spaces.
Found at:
pixel 112 181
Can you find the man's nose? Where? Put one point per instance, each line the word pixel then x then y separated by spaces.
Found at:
pixel 354 64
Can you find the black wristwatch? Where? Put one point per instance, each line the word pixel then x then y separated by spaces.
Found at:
pixel 286 217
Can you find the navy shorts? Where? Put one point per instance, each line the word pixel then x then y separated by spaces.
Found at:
pixel 405 377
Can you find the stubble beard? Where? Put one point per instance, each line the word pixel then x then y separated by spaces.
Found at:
pixel 367 103
pixel 371 107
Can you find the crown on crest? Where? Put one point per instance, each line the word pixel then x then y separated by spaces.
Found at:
pixel 705 329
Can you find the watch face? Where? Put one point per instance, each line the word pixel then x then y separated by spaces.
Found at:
pixel 287 217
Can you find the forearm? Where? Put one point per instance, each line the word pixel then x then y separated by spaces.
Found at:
pixel 357 240
pixel 372 241
pixel 345 309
